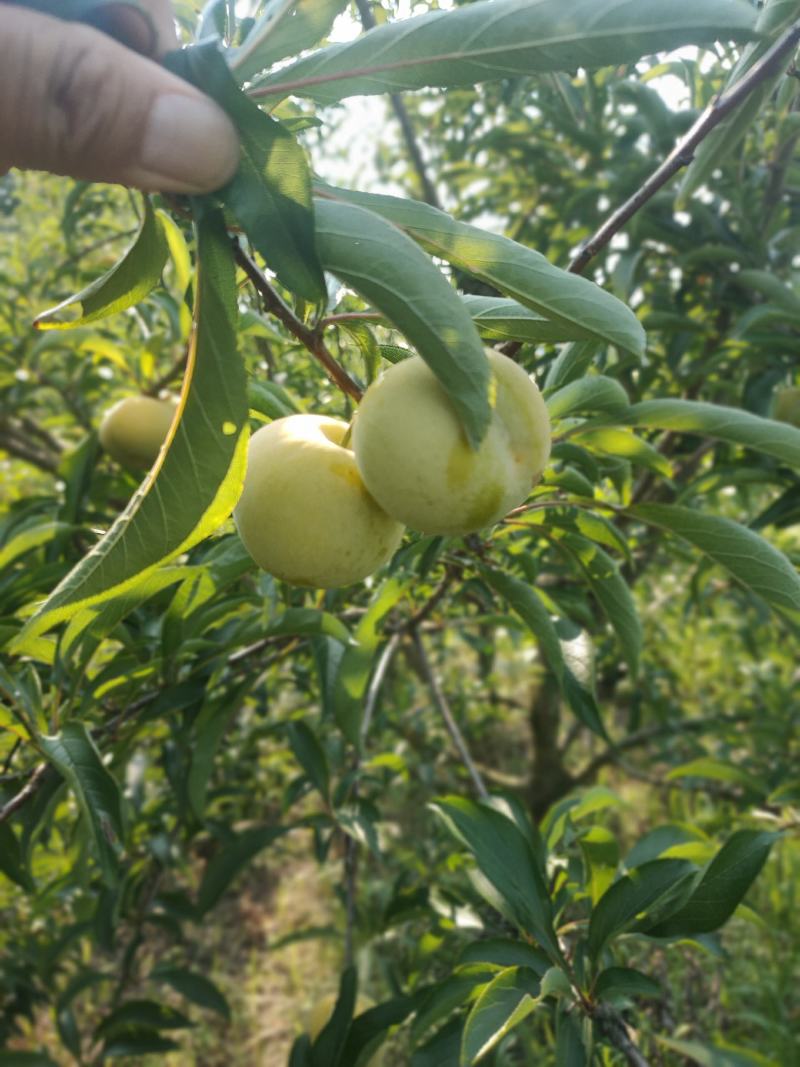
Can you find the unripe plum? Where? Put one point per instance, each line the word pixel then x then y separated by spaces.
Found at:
pixel 415 460
pixel 305 515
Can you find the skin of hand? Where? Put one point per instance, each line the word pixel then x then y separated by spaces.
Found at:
pixel 76 101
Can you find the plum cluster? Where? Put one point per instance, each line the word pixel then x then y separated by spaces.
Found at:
pixel 325 504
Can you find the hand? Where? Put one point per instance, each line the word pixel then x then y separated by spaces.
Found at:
pixel 75 101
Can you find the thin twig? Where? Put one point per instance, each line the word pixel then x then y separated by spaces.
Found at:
pixel 683 152
pixel 312 339
pixel 34 784
pixel 170 374
pixel 452 727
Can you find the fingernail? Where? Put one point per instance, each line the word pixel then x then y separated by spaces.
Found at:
pixel 189 146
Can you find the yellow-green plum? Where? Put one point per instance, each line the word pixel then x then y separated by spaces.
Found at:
pixel 134 429
pixel 416 461
pixel 786 405
pixel 305 515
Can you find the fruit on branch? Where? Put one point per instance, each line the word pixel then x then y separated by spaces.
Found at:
pixel 134 429
pixel 416 461
pixel 786 405
pixel 305 515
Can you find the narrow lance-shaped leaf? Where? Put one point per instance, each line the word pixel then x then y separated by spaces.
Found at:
pixel 507 860
pixel 504 1003
pixel 634 894
pixel 748 557
pixel 575 303
pixel 501 319
pixel 507 38
pixel 198 476
pixel 388 269
pixel 723 886
pixel 285 28
pixel 612 592
pixel 527 603
pixel 124 285
pixel 72 752
pixel 773 438
pixel 270 194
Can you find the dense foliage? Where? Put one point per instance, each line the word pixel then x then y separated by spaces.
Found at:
pixel 547 774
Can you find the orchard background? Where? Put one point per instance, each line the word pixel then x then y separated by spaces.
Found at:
pixel 533 792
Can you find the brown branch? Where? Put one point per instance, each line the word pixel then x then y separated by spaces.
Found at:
pixel 616 1032
pixel 652 733
pixel 20 449
pixel 169 375
pixel 683 152
pixel 312 339
pixel 29 790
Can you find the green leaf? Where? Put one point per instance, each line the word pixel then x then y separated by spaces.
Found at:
pixel 749 558
pixel 194 987
pixel 197 479
pixel 501 953
pixel 351 672
pixel 500 319
pixel 12 862
pixel 519 272
pixel 73 753
pixel 124 285
pixel 625 982
pixel 572 362
pixel 722 887
pixel 142 1013
pixel 369 1028
pixel 388 269
pixel 728 424
pixel 270 194
pixel 30 538
pixel 138 1042
pixel 284 29
pixel 632 895
pixel 570 1050
pixel 507 860
pixel 719 771
pixel 715 1055
pixel 504 1003
pixel 600 855
pixel 235 854
pixel 329 1045
pixel 526 602
pixel 612 593
pixel 310 755
pixel 592 393
pixel 504 38
pixel 610 441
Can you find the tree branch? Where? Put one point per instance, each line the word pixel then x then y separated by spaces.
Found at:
pixel 34 784
pixel 442 706
pixel 310 338
pixel 683 152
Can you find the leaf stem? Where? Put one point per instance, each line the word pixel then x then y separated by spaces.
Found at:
pixel 312 339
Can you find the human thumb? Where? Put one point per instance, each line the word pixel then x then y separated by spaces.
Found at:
pixel 74 101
